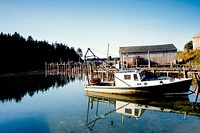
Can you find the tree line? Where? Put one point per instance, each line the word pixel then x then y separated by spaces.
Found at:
pixel 16 87
pixel 18 54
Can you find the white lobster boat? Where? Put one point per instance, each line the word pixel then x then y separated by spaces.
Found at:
pixel 135 82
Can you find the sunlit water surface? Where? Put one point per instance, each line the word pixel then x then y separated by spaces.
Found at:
pixel 62 107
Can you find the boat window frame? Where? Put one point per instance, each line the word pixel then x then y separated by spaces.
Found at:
pixel 137 112
pixel 128 111
pixel 127 77
pixel 135 77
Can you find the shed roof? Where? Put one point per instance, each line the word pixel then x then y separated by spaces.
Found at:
pixel 150 48
pixel 197 35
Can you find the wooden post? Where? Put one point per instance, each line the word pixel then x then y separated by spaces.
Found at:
pixel 149 62
pixel 136 62
pixel 197 91
pixel 46 68
pixel 122 62
pixel 184 73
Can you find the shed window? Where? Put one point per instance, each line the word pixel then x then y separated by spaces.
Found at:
pixel 135 77
pixel 127 77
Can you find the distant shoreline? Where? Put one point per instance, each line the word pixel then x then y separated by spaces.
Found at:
pixel 22 73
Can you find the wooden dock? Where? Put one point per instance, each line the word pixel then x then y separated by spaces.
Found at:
pixel 175 71
pixel 63 68
pixel 89 68
pixel 106 73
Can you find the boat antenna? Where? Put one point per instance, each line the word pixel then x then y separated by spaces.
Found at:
pixel 108 53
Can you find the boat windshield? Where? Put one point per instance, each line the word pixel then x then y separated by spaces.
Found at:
pixel 142 75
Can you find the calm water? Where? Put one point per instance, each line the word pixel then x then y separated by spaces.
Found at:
pixel 58 104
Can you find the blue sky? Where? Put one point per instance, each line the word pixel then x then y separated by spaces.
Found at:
pixel 96 23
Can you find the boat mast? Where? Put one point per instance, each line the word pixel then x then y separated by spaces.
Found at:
pixel 108 53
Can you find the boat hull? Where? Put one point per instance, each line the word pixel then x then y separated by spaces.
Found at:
pixel 182 86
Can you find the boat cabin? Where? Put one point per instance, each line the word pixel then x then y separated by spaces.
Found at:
pixel 127 78
pixel 129 109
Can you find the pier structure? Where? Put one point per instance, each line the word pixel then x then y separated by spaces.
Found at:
pixel 93 70
pixel 63 68
pixel 178 72
pixel 68 67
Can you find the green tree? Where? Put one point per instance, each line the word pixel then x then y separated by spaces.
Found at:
pixel 197 59
pixel 30 39
pixel 29 54
pixel 188 46
pixel 79 52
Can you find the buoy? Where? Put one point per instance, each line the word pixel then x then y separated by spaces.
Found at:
pixel 95 80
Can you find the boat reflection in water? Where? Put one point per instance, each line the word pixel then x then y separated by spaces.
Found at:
pixel 135 106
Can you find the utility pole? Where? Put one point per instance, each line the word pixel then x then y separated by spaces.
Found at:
pixel 108 53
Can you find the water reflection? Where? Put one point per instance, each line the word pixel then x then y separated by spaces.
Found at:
pixel 135 106
pixel 16 87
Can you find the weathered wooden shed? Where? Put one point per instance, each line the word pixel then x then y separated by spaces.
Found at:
pixel 141 55
pixel 196 41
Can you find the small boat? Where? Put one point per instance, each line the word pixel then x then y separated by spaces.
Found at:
pixel 136 81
